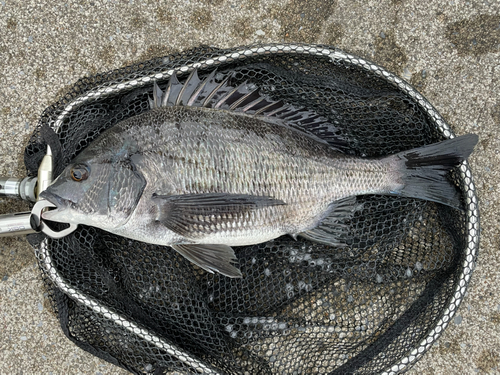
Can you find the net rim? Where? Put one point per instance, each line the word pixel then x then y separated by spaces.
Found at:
pixel 241 53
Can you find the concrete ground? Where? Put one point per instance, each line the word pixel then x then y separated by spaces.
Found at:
pixel 450 51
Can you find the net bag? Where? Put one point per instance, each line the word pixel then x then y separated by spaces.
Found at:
pixel 374 306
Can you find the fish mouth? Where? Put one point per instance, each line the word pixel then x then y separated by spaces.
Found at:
pixel 60 203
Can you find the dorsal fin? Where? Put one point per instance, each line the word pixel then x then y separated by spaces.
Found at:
pixel 215 91
pixel 173 90
pixel 188 88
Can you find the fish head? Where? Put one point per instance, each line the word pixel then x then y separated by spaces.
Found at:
pixel 95 191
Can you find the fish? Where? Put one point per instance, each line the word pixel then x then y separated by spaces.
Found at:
pixel 214 165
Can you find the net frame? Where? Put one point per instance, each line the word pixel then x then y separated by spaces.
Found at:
pixel 127 81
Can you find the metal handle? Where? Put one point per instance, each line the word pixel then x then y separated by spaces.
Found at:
pixel 37 220
pixel 29 188
pixel 17 224
pixel 45 173
pixel 23 188
pixel 23 223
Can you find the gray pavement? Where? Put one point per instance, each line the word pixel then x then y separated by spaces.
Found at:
pixel 450 51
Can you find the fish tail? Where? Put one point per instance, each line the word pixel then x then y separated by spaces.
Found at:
pixel 422 171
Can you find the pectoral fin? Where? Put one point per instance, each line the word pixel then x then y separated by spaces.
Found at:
pixel 196 215
pixel 211 258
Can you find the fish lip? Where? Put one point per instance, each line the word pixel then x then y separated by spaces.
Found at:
pixel 56 200
pixel 53 198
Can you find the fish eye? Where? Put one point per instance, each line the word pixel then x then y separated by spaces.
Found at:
pixel 79 172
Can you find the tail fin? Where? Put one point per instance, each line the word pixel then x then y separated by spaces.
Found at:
pixel 424 169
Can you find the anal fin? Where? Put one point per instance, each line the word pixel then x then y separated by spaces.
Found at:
pixel 211 258
pixel 332 230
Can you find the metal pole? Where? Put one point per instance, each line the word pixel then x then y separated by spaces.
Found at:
pixel 28 188
pixel 23 188
pixel 17 224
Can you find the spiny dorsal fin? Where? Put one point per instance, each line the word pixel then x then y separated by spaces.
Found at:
pixel 215 91
pixel 188 88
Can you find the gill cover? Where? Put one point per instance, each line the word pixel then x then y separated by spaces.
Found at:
pixel 125 188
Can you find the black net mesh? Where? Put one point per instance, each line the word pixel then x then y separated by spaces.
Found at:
pixel 300 308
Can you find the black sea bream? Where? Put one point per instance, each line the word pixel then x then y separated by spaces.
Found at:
pixel 212 166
